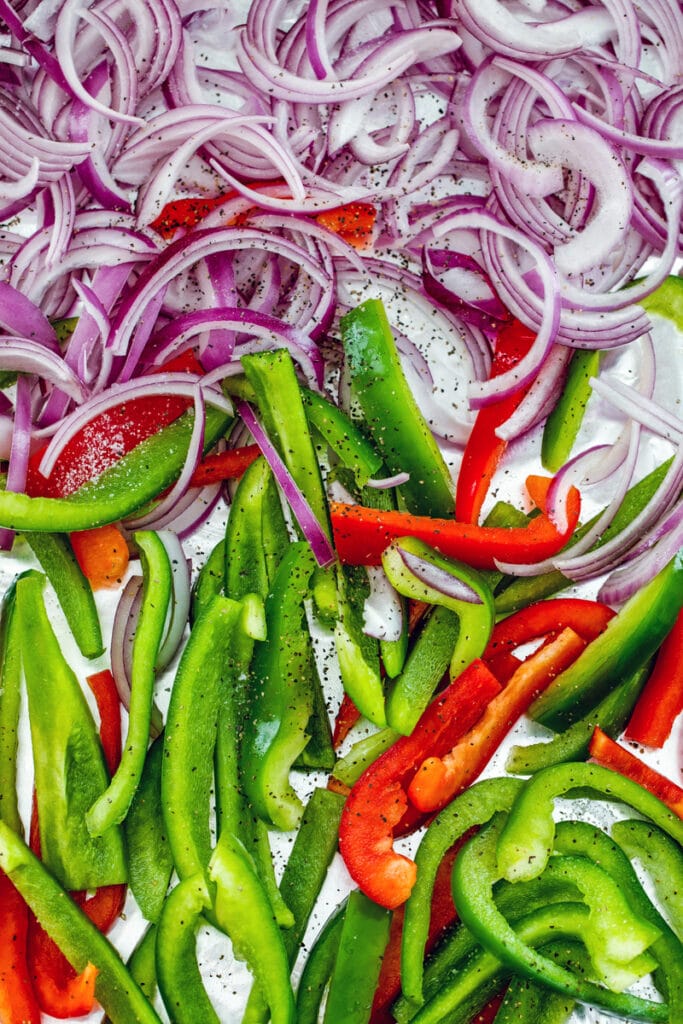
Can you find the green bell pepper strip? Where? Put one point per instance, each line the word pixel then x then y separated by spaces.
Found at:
pixel 363 939
pixel 358 653
pixel 349 769
pixel 564 422
pixel 256 535
pixel 136 479
pixel 10 708
pixel 475 806
pixel 74 933
pixel 190 736
pixel 518 593
pixel 180 982
pixel 397 427
pixel 611 714
pixel 69 764
pixel 243 911
pixel 528 837
pixel 343 437
pixel 667 300
pixel 416 570
pixel 429 658
pixel 157 586
pixel 526 1002
pixel 280 703
pixel 210 581
pixel 303 877
pixel 580 838
pixel 142 963
pixel 318 968
pixel 628 642
pixel 73 590
pixel 149 852
pixel 273 378
pixel 474 874
pixel 661 858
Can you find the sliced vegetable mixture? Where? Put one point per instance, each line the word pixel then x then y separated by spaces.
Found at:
pixel 340 518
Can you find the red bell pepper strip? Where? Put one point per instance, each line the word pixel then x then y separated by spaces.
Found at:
pixel 18 1003
pixel 484 449
pixel 60 991
pixel 224 465
pixel 545 618
pixel 378 801
pixel 102 554
pixel 612 755
pixel 361 535
pixel 353 223
pixel 347 716
pixel 439 779
pixel 661 701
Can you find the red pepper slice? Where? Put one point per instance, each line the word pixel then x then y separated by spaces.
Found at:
pixel 102 554
pixel 347 716
pixel 361 535
pixel 353 223
pixel 612 755
pixel 484 449
pixel 439 779
pixel 378 801
pixel 224 465
pixel 18 1003
pixel 545 618
pixel 661 701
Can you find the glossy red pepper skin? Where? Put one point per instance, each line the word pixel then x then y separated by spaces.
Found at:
pixel 543 619
pixel 18 1004
pixel 661 701
pixel 224 465
pixel 361 535
pixel 612 755
pixel 484 450
pixel 378 801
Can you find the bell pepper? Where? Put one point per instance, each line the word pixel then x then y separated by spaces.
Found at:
pixel 526 1002
pixel 613 941
pixel 224 465
pixel 563 423
pixel 611 714
pixel 362 534
pixel 353 222
pixel 102 554
pixel 662 860
pixel 484 449
pixel 345 719
pixel 149 853
pixel 439 778
pixel 243 911
pixel 74 593
pixel 343 436
pixel 543 619
pixel 63 733
pixel 662 698
pixel 378 800
pixel 142 963
pixel 74 933
pixel 418 571
pixel 630 640
pixel 349 769
pixel 10 706
pixel 362 942
pixel 611 755
pixel 398 428
pixel 209 582
pixel 527 839
pixel 18 1003
pixel 178 977
pixel 280 702
pixel 358 653
pixel 317 969
pixel 112 806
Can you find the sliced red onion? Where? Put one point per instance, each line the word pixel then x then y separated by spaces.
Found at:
pixel 640 408
pixel 389 481
pixel 19 316
pixel 496 25
pixel 382 609
pixel 627 581
pixel 179 608
pixel 19 451
pixel 27 356
pixel 438 579
pixel 541 397
pixel 122 636
pixel 310 527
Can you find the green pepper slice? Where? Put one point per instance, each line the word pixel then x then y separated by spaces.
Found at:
pixel 180 982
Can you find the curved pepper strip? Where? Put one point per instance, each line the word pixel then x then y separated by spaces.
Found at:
pixel 484 449
pixel 439 778
pixel 74 933
pixel 475 806
pixel 662 859
pixel 361 535
pixel 378 800
pixel 112 806
pixel 528 1003
pixel 178 977
pixel 527 840
pixel 474 875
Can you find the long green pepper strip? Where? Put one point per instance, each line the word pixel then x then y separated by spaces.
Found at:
pixel 70 772
pixel 343 436
pixel 527 1002
pixel 74 933
pixel 112 806
pixel 661 858
pixel 363 939
pixel 318 968
pixel 73 590
pixel 358 653
pixel 142 963
pixel 180 982
pixel 563 424
pixel 10 707
pixel 149 851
